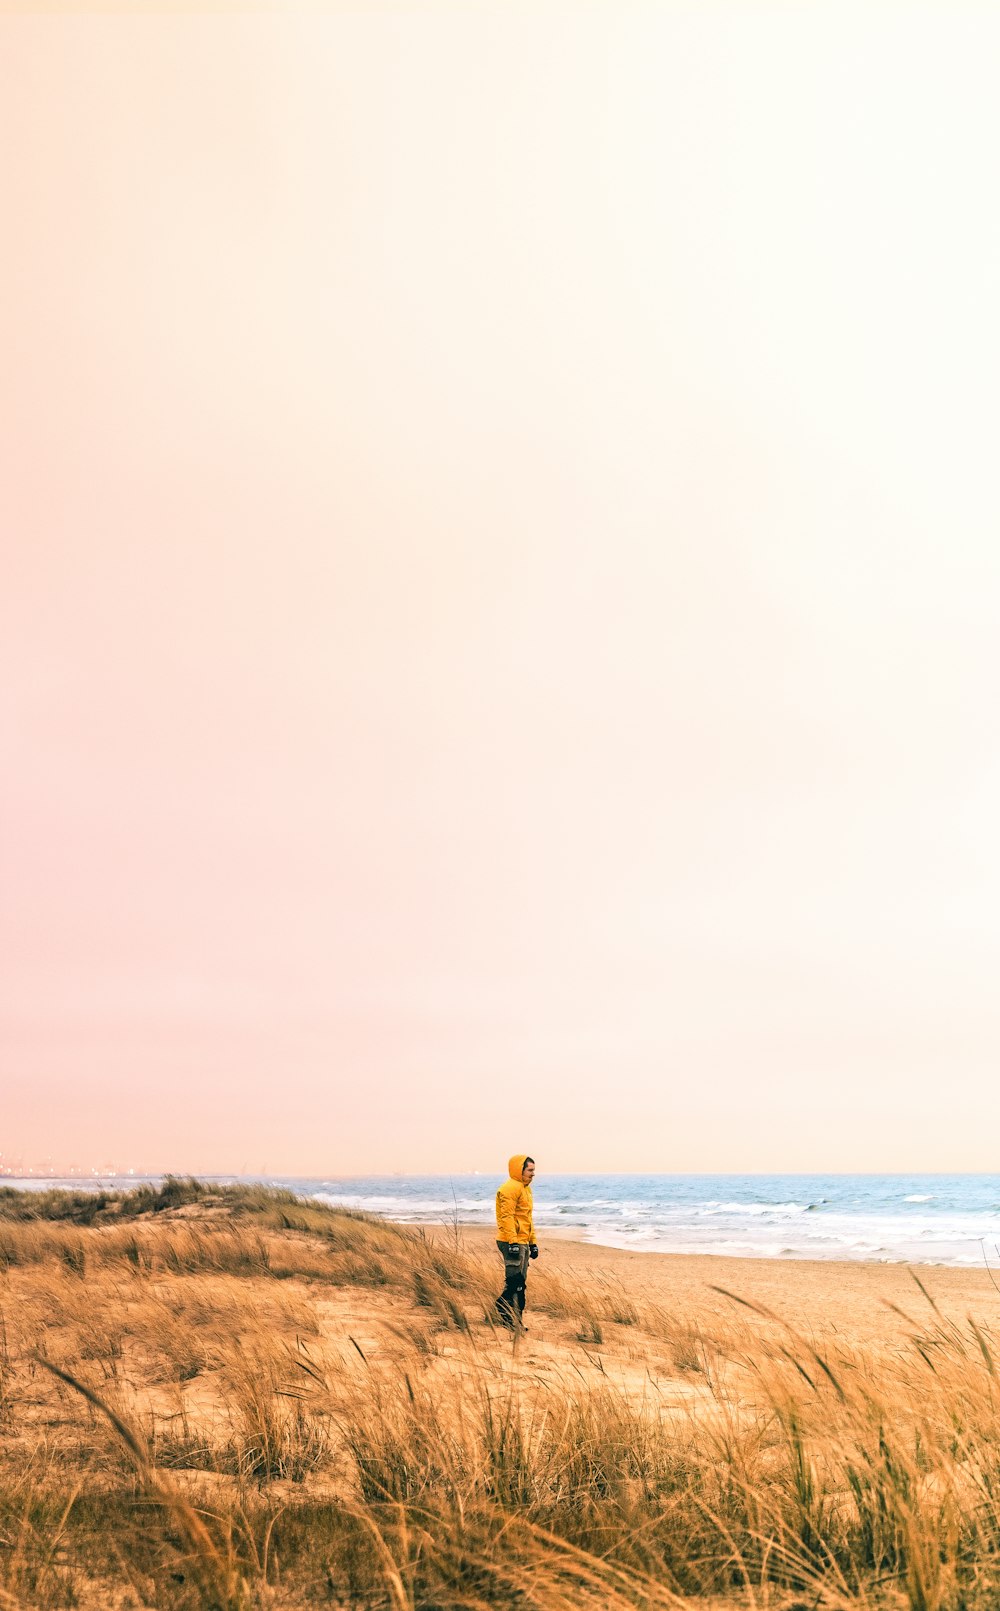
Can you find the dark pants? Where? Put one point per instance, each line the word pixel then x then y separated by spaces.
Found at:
pixel 510 1304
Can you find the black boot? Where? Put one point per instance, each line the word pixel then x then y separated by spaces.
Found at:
pixel 507 1311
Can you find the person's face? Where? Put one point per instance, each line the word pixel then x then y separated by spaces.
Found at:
pixel 527 1172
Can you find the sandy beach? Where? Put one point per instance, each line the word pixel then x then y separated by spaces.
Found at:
pixel 226 1394
pixel 860 1302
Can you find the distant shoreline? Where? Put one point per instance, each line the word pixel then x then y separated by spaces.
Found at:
pixel 952 1223
pixel 603 1251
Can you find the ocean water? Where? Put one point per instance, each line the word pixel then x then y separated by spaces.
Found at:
pixel 926 1219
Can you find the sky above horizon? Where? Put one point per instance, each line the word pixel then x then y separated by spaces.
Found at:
pixel 501 591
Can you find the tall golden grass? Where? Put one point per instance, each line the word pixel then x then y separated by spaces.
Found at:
pixel 229 1400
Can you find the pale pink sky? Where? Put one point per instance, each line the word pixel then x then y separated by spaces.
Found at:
pixel 501 585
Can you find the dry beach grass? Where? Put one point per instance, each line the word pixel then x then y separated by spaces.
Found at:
pixel 231 1399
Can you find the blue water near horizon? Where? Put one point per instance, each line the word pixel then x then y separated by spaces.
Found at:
pixel 926 1219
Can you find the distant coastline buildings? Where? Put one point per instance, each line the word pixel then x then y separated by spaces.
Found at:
pixel 14 1166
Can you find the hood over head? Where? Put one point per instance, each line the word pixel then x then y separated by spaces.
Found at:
pixel 516 1164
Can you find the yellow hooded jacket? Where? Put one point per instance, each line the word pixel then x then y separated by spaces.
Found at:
pixel 514 1205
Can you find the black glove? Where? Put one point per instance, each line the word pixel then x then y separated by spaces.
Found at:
pixel 514 1250
pixel 533 1250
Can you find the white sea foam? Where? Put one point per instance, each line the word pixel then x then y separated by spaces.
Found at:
pixel 393 1206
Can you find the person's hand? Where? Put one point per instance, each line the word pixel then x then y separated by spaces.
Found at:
pixel 514 1249
pixel 533 1250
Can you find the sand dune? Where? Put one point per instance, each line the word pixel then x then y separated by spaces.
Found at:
pixel 238 1399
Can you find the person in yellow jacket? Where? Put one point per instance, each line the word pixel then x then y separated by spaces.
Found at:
pixel 515 1237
